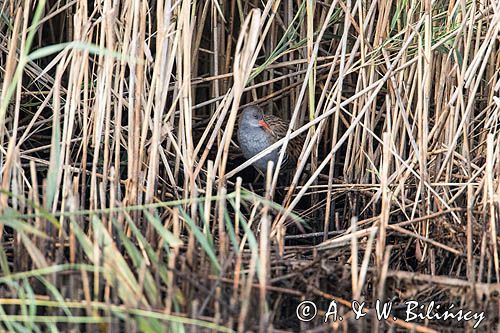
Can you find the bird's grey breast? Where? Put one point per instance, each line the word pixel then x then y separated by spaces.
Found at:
pixel 252 141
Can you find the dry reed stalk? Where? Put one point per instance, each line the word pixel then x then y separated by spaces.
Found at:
pixel 244 59
pixel 171 264
pixel 264 253
pixel 489 199
pixel 356 292
pixel 9 72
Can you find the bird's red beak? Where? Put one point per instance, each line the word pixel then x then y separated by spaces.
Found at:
pixel 264 124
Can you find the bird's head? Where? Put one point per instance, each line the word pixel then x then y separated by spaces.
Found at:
pixel 253 116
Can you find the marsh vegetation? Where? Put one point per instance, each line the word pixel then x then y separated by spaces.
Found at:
pixel 126 204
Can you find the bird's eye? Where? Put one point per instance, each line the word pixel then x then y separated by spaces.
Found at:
pixel 256 116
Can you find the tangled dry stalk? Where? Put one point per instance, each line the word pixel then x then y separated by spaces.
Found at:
pixel 126 205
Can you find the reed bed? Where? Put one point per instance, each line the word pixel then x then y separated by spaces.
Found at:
pixel 126 205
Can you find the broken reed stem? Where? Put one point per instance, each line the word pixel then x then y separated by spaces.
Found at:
pixel 237 208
